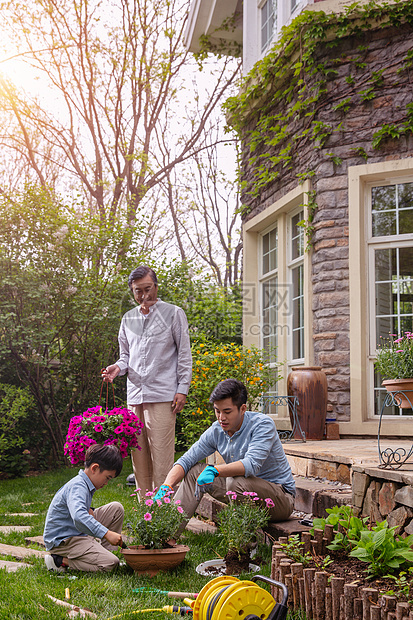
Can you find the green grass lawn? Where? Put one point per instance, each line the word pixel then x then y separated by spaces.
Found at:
pixel 23 594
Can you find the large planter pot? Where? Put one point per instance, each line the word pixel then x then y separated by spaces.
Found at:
pixel 309 385
pixel 151 561
pixel 403 389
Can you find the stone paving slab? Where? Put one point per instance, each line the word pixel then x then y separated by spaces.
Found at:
pixel 20 553
pixel 35 540
pixel 403 475
pixel 285 528
pixel 21 514
pixel 6 529
pixel 346 451
pixel 12 567
pixel 196 525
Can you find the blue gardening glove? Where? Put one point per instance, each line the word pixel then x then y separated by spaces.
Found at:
pixel 205 479
pixel 162 491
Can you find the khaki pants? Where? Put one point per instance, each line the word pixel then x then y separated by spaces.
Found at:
pixel 283 501
pixel 152 463
pixel 87 553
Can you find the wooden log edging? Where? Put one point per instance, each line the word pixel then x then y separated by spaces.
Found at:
pixel 311 591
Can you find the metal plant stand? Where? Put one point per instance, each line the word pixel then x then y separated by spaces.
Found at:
pixel 296 433
pixel 393 458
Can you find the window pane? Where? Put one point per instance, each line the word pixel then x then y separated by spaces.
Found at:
pixel 268 23
pixel 392 210
pixel 269 251
pixel 393 291
pixel 269 316
pixel 298 312
pixel 297 248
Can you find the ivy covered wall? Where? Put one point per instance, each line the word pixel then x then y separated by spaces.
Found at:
pixel 335 92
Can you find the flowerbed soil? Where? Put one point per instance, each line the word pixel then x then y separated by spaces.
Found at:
pixel 354 571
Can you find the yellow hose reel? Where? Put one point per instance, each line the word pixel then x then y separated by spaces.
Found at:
pixel 227 598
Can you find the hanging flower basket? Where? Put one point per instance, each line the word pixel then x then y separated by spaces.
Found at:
pixel 118 427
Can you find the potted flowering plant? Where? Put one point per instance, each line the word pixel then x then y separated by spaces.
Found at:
pixel 238 525
pixel 119 427
pixel 395 363
pixel 152 525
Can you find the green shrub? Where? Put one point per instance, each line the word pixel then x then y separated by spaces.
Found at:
pixel 211 364
pixel 15 405
pixel 382 550
pixel 351 527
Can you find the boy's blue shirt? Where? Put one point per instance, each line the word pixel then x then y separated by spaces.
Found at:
pixel 68 513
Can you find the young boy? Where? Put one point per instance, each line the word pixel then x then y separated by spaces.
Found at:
pixel 72 526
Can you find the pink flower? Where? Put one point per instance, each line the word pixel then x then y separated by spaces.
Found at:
pixel 159 502
pixel 177 502
pixel 98 428
pixel 400 351
pixel 118 429
pixel 148 493
pixel 167 500
pixel 147 516
pixel 149 502
pixel 180 510
pixel 269 502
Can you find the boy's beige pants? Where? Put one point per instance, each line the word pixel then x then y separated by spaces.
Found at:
pixel 90 554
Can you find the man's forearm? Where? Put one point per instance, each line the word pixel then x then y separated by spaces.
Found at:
pixel 175 475
pixel 231 470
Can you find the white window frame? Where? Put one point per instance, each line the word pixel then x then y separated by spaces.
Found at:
pixel 277 213
pixel 360 180
pixel 376 243
pixel 293 263
pixel 263 46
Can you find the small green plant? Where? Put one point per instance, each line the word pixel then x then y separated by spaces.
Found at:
pixel 395 358
pixel 294 549
pixel 335 159
pixel 153 522
pixel 383 550
pixel 322 563
pixel 240 520
pixel 351 525
pixel 402 585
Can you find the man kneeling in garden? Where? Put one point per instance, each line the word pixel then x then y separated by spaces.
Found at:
pixel 251 448
pixel 72 526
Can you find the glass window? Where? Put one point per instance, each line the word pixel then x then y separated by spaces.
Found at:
pixel 391 216
pixel 269 251
pixel 297 281
pixel 268 23
pixel 269 287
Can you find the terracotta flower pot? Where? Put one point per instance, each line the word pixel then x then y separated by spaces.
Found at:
pixel 403 389
pixel 151 561
pixel 309 385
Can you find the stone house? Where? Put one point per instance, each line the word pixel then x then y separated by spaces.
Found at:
pixel 326 118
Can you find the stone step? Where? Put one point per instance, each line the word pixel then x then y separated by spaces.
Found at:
pixel 12 567
pixel 196 525
pixel 7 529
pixel 20 553
pixel 315 496
pixel 35 540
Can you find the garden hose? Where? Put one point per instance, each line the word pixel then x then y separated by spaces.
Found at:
pixel 169 609
pixel 226 598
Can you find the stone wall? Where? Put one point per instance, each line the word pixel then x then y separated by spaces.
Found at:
pixel 384 494
pixel 384 49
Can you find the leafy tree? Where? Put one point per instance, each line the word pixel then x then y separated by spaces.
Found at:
pixel 117 76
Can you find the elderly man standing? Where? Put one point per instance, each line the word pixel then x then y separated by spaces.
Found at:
pixel 155 352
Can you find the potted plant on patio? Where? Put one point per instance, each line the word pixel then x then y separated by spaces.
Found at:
pixel 238 524
pixel 152 525
pixel 395 363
